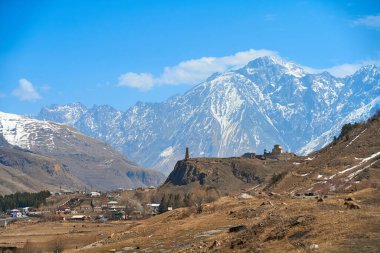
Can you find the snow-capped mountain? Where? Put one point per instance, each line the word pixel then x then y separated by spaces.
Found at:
pixel 90 162
pixel 268 101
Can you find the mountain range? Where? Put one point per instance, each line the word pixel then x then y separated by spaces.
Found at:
pixel 36 155
pixel 269 101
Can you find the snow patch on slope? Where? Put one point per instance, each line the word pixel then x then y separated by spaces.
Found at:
pixel 169 151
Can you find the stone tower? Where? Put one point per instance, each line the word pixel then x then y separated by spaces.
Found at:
pixel 277 150
pixel 187 155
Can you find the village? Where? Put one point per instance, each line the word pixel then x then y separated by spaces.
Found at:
pixel 120 204
pixel 77 207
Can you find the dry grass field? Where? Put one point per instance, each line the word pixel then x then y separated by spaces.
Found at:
pixel 71 234
pixel 268 224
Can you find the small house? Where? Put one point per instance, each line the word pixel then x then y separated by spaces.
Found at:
pixel 78 217
pixel 63 209
pixel 95 194
pixel 112 203
pixel 118 215
pixel 15 213
pixel 153 208
pixel 67 192
pixel 249 155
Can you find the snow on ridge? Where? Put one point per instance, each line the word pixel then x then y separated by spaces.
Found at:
pixel 353 174
pixel 364 160
pixel 223 111
pixel 169 151
pixel 27 132
pixel 287 67
pixel 325 138
pixel 349 144
pixel 237 111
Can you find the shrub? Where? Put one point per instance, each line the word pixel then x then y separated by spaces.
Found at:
pixel 346 128
pixel 276 178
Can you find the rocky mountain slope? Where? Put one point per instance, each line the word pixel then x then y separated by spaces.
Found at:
pixel 268 101
pixel 349 163
pixel 22 170
pixel 68 156
pixel 226 175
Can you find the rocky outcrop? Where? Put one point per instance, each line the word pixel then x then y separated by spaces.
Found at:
pixel 225 174
pixel 186 172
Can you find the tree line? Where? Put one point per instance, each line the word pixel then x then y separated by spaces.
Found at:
pixel 23 199
pixel 196 199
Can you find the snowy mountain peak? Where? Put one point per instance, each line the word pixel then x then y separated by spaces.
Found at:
pixel 369 70
pixel 276 64
pixel 368 75
pixel 28 133
pixel 213 76
pixel 266 61
pixel 69 113
pixel 269 101
pixel 76 105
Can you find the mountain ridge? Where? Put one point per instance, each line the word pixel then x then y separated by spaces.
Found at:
pixel 268 101
pixel 86 161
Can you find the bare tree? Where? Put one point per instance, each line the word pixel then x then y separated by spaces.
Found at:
pixel 29 247
pixel 58 246
pixel 198 203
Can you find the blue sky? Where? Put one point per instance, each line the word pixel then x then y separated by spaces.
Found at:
pixel 121 52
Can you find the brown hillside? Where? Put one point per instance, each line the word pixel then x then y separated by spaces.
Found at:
pixel 348 164
pixel 21 170
pixel 94 164
pixel 259 224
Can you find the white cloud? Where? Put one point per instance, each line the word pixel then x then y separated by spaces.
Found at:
pixel 198 70
pixel 191 71
pixel 142 81
pixel 344 69
pixel 25 91
pixel 372 21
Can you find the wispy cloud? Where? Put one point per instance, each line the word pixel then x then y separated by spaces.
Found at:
pixel 372 21
pixel 25 91
pixel 142 81
pixel 198 70
pixel 191 71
